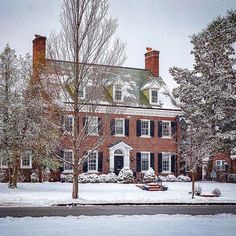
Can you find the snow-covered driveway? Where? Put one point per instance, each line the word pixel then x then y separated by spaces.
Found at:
pixel 37 194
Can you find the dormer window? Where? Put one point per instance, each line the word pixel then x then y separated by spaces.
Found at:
pixel 117 93
pixel 153 96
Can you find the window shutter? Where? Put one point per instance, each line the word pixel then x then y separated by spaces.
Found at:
pixel 85 166
pixel 173 128
pixel 159 128
pixel 61 154
pixel 152 128
pixel 100 160
pixel 159 163
pixel 152 161
pixel 138 128
pixel 100 126
pixel 126 127
pixel 62 122
pixel 85 123
pixel 112 126
pixel 173 163
pixel 138 162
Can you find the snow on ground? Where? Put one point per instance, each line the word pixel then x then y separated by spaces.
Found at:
pixel 177 225
pixel 37 194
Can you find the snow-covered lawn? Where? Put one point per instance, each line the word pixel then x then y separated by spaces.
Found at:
pixel 45 194
pixel 178 225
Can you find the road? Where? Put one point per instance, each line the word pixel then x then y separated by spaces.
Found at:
pixel 115 210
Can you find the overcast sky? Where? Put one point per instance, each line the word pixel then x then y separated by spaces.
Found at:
pixel 161 24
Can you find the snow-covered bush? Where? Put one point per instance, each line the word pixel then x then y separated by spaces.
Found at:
pixel 216 192
pixel 34 177
pixel 232 178
pixel 149 176
pixel 62 178
pixel 182 178
pixel 171 178
pixel 84 178
pixel 109 178
pixel 93 178
pixel 126 175
pixel 69 178
pixel 161 178
pixel 198 190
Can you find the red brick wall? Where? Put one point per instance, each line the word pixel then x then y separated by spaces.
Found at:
pixel 152 62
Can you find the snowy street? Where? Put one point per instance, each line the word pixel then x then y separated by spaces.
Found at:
pixel 178 225
pixel 46 194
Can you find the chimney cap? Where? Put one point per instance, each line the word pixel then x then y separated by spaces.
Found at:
pixel 148 49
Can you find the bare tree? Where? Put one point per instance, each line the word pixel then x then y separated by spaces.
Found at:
pixel 85 44
pixel 195 145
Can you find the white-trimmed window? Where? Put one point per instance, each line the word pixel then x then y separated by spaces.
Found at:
pixel 69 122
pixel 145 161
pixel 166 129
pixel 68 156
pixel 119 126
pixel 26 161
pixel 145 127
pixel 81 92
pixel 117 93
pixel 3 162
pixel 220 165
pixel 153 96
pixel 93 162
pixel 166 162
pixel 93 125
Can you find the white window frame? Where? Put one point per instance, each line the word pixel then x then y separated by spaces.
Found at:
pixel 29 154
pixel 150 96
pixel 148 153
pixel 114 93
pixel 1 165
pixel 67 117
pixel 165 154
pixel 123 121
pixel 64 164
pixel 220 167
pixel 94 130
pixel 166 136
pixel 145 135
pixel 84 92
pixel 96 170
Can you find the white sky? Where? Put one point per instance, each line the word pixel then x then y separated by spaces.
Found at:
pixel 161 24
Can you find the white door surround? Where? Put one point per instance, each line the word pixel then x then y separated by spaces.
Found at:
pixel 125 148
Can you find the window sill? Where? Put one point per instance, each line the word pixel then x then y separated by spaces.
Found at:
pixel 93 134
pixel 145 136
pixel 26 167
pixel 119 135
pixel 67 171
pixel 92 172
pixel 3 167
pixel 166 172
pixel 166 137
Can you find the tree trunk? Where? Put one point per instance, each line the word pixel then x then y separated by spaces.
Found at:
pixel 193 184
pixel 40 174
pixel 13 176
pixel 75 190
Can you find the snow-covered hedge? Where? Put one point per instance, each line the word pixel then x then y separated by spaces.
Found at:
pixel 172 178
pixel 149 176
pixel 216 192
pixel 66 178
pixel 126 175
pixel 182 178
pixel 94 178
pixel 34 177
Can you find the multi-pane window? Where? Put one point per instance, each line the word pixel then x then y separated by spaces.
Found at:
pixel 26 160
pixel 166 129
pixel 118 93
pixel 220 165
pixel 166 162
pixel 154 96
pixel 144 161
pixel 69 158
pixel 119 126
pixel 145 127
pixel 3 162
pixel 69 123
pixel 81 93
pixel 92 161
pixel 93 125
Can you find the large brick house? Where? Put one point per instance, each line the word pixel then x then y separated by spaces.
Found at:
pixel 140 136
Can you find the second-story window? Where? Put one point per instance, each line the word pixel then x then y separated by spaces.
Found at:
pixel 81 93
pixel 145 127
pixel 118 93
pixel 69 123
pixel 220 165
pixel 93 125
pixel 119 126
pixel 166 129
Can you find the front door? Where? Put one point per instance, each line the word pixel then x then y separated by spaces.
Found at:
pixel 118 164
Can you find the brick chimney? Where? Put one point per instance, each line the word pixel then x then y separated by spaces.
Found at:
pixel 39 51
pixel 152 61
